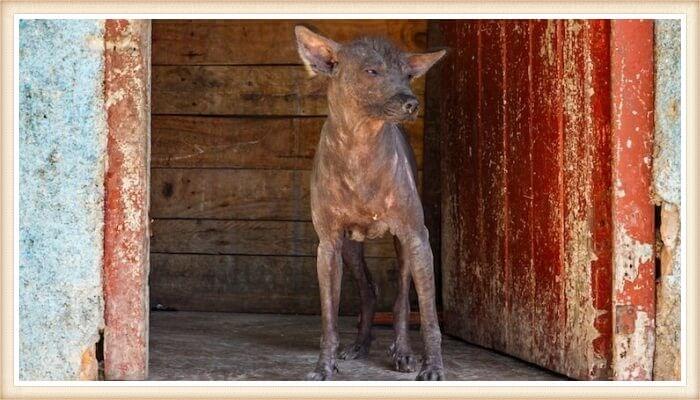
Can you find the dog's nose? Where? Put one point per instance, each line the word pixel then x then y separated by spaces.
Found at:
pixel 410 106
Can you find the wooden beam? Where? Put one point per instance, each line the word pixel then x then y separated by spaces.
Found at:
pixel 282 90
pixel 253 143
pixel 266 284
pixel 231 42
pixel 632 89
pixel 127 75
pixel 251 237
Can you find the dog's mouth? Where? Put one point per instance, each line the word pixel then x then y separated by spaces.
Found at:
pixel 394 113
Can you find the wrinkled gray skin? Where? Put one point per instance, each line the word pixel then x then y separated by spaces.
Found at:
pixel 362 185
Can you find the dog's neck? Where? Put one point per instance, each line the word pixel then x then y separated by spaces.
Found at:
pixel 349 121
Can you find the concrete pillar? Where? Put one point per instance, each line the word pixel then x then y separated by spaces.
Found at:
pixel 62 141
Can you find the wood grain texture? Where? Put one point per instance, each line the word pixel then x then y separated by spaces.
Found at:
pixel 518 164
pixel 493 180
pixel 294 238
pixel 526 196
pixel 242 90
pixel 547 199
pixel 633 227
pixel 200 42
pixel 230 194
pixel 599 116
pixel 429 156
pixel 246 143
pixel 461 185
pixel 275 284
pixel 126 246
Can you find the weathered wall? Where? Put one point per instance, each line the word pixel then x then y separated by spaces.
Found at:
pixel 62 138
pixel 667 190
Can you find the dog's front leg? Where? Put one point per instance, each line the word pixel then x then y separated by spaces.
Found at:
pixel 416 250
pixel 400 349
pixel 330 271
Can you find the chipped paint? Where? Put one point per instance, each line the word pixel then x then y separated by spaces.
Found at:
pixel 630 364
pixel 599 103
pixel 630 254
pixel 581 314
pixel 586 165
pixel 619 191
pixel 526 198
pixel 127 87
pixel 633 215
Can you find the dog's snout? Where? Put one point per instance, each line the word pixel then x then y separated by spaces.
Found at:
pixel 410 106
pixel 401 107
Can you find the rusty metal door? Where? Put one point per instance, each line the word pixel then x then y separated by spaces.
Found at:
pixel 547 222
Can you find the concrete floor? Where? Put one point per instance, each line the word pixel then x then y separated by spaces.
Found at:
pixel 224 346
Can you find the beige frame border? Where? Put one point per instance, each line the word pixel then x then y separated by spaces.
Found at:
pixel 690 8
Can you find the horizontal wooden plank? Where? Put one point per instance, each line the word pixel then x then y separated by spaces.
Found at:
pixel 256 284
pixel 232 194
pixel 270 143
pixel 241 90
pixel 246 237
pixel 200 42
pixel 387 318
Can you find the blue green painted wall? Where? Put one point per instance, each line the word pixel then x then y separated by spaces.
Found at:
pixel 62 141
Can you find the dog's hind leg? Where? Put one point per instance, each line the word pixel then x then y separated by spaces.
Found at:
pixel 400 349
pixel 353 257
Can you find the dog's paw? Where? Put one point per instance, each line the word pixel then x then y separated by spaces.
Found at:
pixel 402 357
pixel 404 362
pixel 354 351
pixel 323 372
pixel 318 376
pixel 431 373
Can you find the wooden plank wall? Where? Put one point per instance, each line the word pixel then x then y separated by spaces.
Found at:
pixel 526 190
pixel 234 127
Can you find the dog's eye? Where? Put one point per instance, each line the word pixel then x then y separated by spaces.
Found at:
pixel 409 76
pixel 372 72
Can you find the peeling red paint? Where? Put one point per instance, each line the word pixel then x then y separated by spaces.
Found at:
pixel 632 82
pixel 599 114
pixel 126 241
pixel 526 208
pixel 547 180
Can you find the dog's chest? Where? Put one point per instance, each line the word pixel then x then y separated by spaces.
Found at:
pixel 362 199
pixel 361 186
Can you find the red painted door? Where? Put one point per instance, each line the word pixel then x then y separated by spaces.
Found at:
pixel 527 125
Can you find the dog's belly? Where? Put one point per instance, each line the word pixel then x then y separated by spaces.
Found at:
pixel 373 230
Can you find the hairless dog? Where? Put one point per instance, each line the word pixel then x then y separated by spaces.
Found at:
pixel 363 184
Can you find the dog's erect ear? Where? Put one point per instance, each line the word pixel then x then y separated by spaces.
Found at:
pixel 420 63
pixel 320 54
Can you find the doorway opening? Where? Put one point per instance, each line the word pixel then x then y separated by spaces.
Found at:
pixel 518 177
pixel 235 122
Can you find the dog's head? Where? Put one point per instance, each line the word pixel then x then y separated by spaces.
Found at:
pixel 370 73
